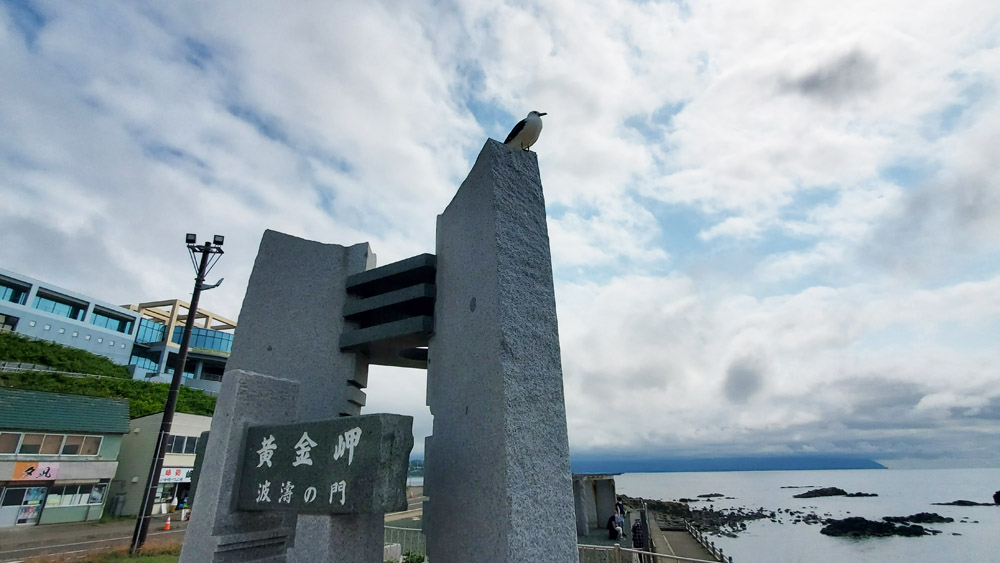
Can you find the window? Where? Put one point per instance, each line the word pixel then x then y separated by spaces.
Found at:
pixel 165 492
pixel 12 292
pixel 149 331
pixel 72 445
pixel 49 444
pixel 13 497
pixel 97 494
pixel 91 445
pixel 206 338
pixel 111 321
pixel 181 444
pixel 76 495
pixel 59 305
pixel 8 323
pixel 8 442
pixel 31 443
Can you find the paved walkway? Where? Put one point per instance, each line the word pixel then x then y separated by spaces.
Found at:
pixel 679 543
pixel 19 543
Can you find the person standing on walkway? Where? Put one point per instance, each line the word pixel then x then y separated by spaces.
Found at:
pixel 639 538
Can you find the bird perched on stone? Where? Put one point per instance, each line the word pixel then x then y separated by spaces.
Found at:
pixel 526 132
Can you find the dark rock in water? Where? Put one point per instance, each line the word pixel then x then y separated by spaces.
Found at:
pixel 921 518
pixel 962 503
pixel 711 495
pixel 857 527
pixel 824 492
pixel 688 500
pixel 799 487
pixel 831 492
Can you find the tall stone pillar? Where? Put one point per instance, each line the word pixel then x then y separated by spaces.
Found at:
pixel 497 465
pixel 288 331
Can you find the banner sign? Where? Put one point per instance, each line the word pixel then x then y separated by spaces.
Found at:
pixel 176 474
pixel 35 471
pixel 348 465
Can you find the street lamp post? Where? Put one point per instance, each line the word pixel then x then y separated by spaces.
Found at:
pixel 207 251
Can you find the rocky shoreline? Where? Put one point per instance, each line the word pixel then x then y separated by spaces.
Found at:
pixel 730 522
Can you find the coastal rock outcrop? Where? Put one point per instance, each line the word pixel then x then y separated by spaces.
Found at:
pixel 831 492
pixel 858 527
pixel 962 503
pixel 920 518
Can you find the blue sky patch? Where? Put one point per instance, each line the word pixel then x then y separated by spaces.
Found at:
pixel 265 125
pixel 26 19
pixel 196 53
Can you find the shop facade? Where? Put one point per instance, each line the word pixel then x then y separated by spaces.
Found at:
pixel 58 454
pixel 174 482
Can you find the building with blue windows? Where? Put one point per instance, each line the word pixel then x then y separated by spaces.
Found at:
pixel 145 337
pixel 47 312
pixel 158 340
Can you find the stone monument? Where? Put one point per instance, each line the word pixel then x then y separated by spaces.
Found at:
pixel 479 316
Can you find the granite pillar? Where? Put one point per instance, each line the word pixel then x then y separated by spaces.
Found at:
pixel 289 326
pixel 497 465
pixel 217 531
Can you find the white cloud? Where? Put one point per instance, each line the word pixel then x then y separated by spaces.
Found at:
pixel 835 165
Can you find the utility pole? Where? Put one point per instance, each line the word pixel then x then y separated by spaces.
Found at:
pixel 202 268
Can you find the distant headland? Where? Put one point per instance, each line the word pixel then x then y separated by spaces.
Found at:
pixel 610 464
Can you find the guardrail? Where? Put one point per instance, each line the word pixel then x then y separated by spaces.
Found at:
pixel 20 367
pixel 706 543
pixel 410 539
pixel 619 554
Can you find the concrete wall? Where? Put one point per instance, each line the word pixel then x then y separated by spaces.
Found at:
pixel 63 514
pixel 69 332
pixel 137 454
pixel 604 493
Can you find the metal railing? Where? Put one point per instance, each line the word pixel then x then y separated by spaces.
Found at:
pixel 619 554
pixel 22 367
pixel 410 539
pixel 706 543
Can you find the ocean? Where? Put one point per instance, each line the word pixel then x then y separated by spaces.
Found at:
pixel 973 537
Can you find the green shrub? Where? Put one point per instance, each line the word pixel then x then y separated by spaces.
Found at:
pixel 144 398
pixel 17 348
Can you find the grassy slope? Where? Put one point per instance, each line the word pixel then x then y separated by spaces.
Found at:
pixel 144 398
pixel 16 348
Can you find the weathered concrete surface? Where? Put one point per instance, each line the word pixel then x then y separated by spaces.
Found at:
pixel 217 532
pixel 497 466
pixel 291 316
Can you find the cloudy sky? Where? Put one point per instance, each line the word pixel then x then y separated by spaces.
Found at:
pixel 775 225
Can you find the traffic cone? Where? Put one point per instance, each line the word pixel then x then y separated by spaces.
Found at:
pixel 166 527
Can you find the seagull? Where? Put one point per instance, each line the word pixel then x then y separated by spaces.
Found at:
pixel 525 133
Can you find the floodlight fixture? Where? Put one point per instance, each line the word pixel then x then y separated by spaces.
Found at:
pixel 218 239
pixel 191 238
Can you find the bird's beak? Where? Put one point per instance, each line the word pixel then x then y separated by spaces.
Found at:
pixel 542 113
